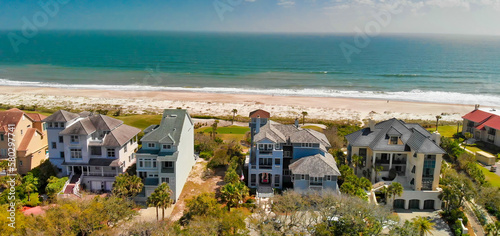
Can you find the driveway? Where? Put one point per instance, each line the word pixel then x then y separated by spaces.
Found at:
pixel 440 227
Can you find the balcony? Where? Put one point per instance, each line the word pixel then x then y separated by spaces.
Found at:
pixel 265 152
pixel 167 170
pixel 265 166
pixel 105 174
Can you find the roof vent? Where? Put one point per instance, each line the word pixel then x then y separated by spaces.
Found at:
pixel 173 115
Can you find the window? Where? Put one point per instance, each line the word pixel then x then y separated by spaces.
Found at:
pixel 253 179
pixel 76 153
pixel 277 161
pixel 60 139
pixel 168 164
pixel 429 164
pixel 266 146
pixel 287 154
pixel 21 132
pixel 61 124
pixel 470 124
pixel 3 152
pixel 113 168
pixel 21 163
pixel 276 180
pixel 167 146
pixel 265 161
pixel 277 146
pixel 147 163
pixel 302 177
pixel 307 145
pixel 1 137
pixel 287 172
pixel 413 170
pixel 54 145
pixel 412 182
pixel 393 140
pixel 125 148
pixel 95 151
pixel 140 164
pixel 151 145
pixel 165 180
pixel 492 131
pixel 74 138
pixel 56 125
pixel 154 164
pixel 61 154
pixel 111 152
pixel 50 124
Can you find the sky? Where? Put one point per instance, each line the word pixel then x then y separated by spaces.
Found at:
pixel 323 16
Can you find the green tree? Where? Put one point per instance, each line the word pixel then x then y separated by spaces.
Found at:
pixel 213 131
pixel 423 225
pixel 161 198
pixel 234 111
pixel 231 176
pixel 304 114
pixel 356 161
pixel 467 136
pixel 30 184
pixel 4 165
pixel 54 186
pixel 127 186
pixel 204 205
pixel 232 194
pixel 395 189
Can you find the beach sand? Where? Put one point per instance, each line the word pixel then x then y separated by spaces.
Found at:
pixel 222 104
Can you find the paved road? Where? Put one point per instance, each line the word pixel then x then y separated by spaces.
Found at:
pixel 440 227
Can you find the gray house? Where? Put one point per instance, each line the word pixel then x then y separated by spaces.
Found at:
pixel 395 151
pixel 283 156
pixel 167 153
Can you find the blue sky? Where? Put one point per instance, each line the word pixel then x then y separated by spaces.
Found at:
pixel 325 16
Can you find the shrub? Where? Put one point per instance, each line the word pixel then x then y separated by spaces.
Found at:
pixel 205 155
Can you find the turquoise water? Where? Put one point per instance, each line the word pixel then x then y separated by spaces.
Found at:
pixel 432 68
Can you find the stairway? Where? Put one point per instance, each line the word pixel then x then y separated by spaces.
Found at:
pixel 68 191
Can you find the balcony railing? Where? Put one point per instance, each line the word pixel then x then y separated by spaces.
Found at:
pixel 105 174
pixel 265 152
pixel 265 166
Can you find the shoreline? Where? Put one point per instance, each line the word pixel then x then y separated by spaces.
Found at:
pixel 221 104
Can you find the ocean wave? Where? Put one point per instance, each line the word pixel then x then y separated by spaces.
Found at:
pixel 413 95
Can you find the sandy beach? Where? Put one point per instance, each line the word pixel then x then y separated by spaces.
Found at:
pixel 222 104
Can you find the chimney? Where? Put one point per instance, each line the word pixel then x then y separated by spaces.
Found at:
pixel 257 125
pixel 297 122
pixel 476 106
pixel 436 137
pixel 371 124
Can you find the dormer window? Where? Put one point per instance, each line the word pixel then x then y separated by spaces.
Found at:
pixel 307 145
pixel 74 138
pixel 167 146
pixel 151 145
pixel 393 140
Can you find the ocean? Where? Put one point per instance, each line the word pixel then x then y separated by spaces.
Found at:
pixel 426 68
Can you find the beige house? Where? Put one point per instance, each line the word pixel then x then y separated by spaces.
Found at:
pixel 395 151
pixel 484 125
pixel 30 138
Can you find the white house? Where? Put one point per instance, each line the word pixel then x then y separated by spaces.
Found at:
pixel 167 153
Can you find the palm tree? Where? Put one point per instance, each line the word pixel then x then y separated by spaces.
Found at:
pixel 356 161
pixel 384 190
pixel 234 111
pixel 214 129
pixel 232 194
pixel 304 114
pixel 30 184
pixel 423 225
pixel 395 189
pixel 438 117
pixel 127 186
pixel 160 198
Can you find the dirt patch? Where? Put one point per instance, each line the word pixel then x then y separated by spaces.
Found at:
pixel 198 182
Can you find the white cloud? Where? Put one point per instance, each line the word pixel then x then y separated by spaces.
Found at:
pixel 286 3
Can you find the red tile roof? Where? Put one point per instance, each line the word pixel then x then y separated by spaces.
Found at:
pixel 36 117
pixel 30 133
pixel 477 116
pixel 9 117
pixel 493 122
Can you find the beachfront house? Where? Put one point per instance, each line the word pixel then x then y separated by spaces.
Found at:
pixel 29 137
pixel 284 156
pixel 167 153
pixel 484 125
pixel 395 151
pixel 91 148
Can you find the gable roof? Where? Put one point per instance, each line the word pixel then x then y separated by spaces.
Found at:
pixel 81 127
pixel 412 136
pixel 484 118
pixel 259 113
pixel 9 117
pixel 315 166
pixel 120 136
pixel 280 133
pixel 61 116
pixel 477 116
pixel 493 122
pixel 27 138
pixel 170 128
pixel 36 117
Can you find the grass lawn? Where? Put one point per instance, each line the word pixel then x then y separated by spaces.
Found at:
pixel 445 130
pixel 491 177
pixel 313 127
pixel 140 121
pixel 226 130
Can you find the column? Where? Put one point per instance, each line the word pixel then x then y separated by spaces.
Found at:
pixel 390 160
pixel 407 204
pixel 102 171
pixel 374 173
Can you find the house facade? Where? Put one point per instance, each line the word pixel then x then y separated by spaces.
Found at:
pixel 284 156
pixel 91 148
pixel 395 151
pixel 167 153
pixel 484 125
pixel 29 138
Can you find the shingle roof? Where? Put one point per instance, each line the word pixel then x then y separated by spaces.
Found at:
pixel 315 166
pixel 170 128
pixel 61 116
pixel 119 136
pixel 81 127
pixel 104 123
pixel 280 133
pixel 411 135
